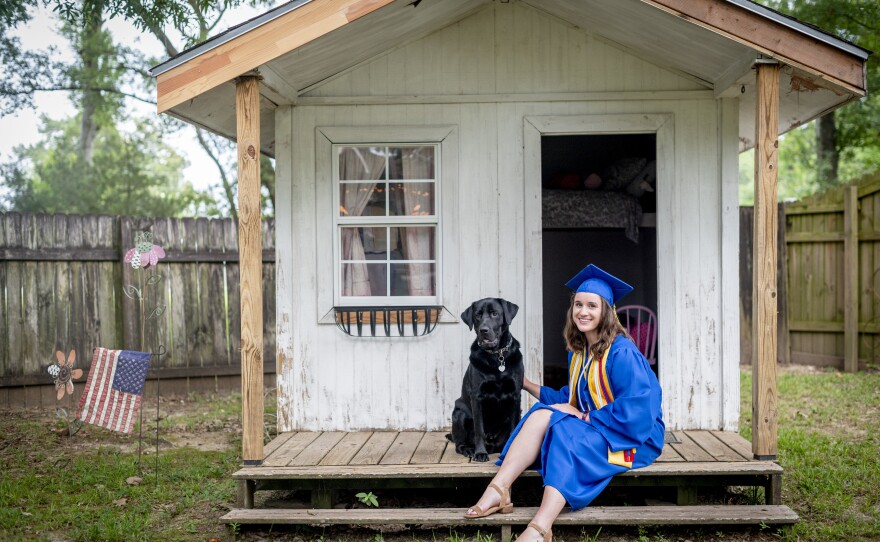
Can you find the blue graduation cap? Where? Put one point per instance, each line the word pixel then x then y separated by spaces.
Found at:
pixel 593 280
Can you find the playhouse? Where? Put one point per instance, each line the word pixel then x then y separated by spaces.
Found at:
pixel 432 153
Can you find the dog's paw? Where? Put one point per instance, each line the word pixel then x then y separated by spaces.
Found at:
pixel 465 451
pixel 481 457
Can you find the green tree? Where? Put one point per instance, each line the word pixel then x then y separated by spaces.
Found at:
pixel 798 174
pixel 103 77
pixel 846 143
pixel 132 174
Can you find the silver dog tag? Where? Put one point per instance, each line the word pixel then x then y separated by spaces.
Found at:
pixel 501 367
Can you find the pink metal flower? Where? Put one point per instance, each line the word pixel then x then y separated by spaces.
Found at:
pixel 145 253
pixel 64 373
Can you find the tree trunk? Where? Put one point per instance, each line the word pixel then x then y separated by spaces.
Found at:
pixel 224 180
pixel 89 51
pixel 827 155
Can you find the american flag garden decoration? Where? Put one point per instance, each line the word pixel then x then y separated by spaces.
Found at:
pixel 114 388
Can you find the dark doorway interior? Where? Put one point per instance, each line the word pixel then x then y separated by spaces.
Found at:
pixel 567 250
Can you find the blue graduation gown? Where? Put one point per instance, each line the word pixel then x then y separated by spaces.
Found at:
pixel 576 455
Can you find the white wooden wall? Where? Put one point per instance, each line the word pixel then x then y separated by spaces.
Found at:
pixel 484 76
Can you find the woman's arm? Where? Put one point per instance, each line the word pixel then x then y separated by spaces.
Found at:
pixel 532 388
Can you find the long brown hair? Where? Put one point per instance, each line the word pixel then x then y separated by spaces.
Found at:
pixel 608 330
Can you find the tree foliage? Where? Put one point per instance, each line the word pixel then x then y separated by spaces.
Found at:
pixel 100 81
pixel 133 174
pixel 857 124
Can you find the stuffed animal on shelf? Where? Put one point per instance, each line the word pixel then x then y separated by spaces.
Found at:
pixel 593 182
pixel 644 181
pixel 633 175
pixel 566 181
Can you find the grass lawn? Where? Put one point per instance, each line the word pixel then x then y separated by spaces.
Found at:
pixel 59 488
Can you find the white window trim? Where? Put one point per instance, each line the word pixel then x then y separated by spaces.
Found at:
pixel 445 137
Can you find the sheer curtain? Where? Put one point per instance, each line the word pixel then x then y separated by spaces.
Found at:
pixel 356 163
pixel 418 163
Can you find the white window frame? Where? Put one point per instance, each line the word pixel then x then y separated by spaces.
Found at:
pixel 328 141
pixel 388 221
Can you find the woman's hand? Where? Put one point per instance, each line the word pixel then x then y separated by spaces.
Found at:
pixel 567 408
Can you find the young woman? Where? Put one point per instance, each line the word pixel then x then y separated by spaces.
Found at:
pixel 606 421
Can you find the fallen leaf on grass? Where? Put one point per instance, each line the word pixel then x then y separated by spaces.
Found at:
pixel 134 480
pixel 121 502
pixel 26 514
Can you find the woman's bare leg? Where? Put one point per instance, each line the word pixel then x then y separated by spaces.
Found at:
pixel 551 505
pixel 522 453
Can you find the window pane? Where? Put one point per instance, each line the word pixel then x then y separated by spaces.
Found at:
pixel 361 199
pixel 361 163
pixel 412 279
pixel 364 244
pixel 415 243
pixel 412 199
pixel 364 279
pixel 411 163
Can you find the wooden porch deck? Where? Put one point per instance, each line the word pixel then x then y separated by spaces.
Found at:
pixel 326 463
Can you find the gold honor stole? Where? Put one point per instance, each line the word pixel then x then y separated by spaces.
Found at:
pixel 600 392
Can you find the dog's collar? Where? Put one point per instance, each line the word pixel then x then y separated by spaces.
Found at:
pixel 501 352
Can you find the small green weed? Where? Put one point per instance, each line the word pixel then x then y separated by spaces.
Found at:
pixel 590 538
pixel 368 498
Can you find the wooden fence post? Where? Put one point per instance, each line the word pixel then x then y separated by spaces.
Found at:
pixel 764 320
pixel 247 116
pixel 851 279
pixel 783 333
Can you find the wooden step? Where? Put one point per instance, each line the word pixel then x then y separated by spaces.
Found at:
pixel 599 515
pixel 483 470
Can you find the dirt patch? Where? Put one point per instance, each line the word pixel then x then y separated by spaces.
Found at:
pixel 198 424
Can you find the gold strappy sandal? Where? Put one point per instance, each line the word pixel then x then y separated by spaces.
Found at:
pixel 504 506
pixel 548 534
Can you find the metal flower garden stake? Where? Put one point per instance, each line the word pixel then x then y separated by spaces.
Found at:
pixel 143 256
pixel 63 373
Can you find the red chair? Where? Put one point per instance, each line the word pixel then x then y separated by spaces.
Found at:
pixel 641 324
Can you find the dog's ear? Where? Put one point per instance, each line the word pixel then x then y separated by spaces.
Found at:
pixel 468 317
pixel 509 309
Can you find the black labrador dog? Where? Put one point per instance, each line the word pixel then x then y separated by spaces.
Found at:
pixel 489 407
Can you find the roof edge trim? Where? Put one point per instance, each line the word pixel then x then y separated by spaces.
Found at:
pixel 228 35
pixel 794 24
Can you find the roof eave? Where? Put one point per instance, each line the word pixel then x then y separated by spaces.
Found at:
pixel 225 37
pixel 248 49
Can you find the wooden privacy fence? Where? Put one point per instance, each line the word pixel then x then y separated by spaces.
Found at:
pixel 61 288
pixel 833 244
pixel 746 234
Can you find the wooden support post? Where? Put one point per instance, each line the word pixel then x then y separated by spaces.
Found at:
pixel 686 494
pixel 244 497
pixel 773 489
pixel 764 295
pixel 851 279
pixel 322 496
pixel 247 118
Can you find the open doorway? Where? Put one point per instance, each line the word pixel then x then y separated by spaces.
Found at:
pixel 598 206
